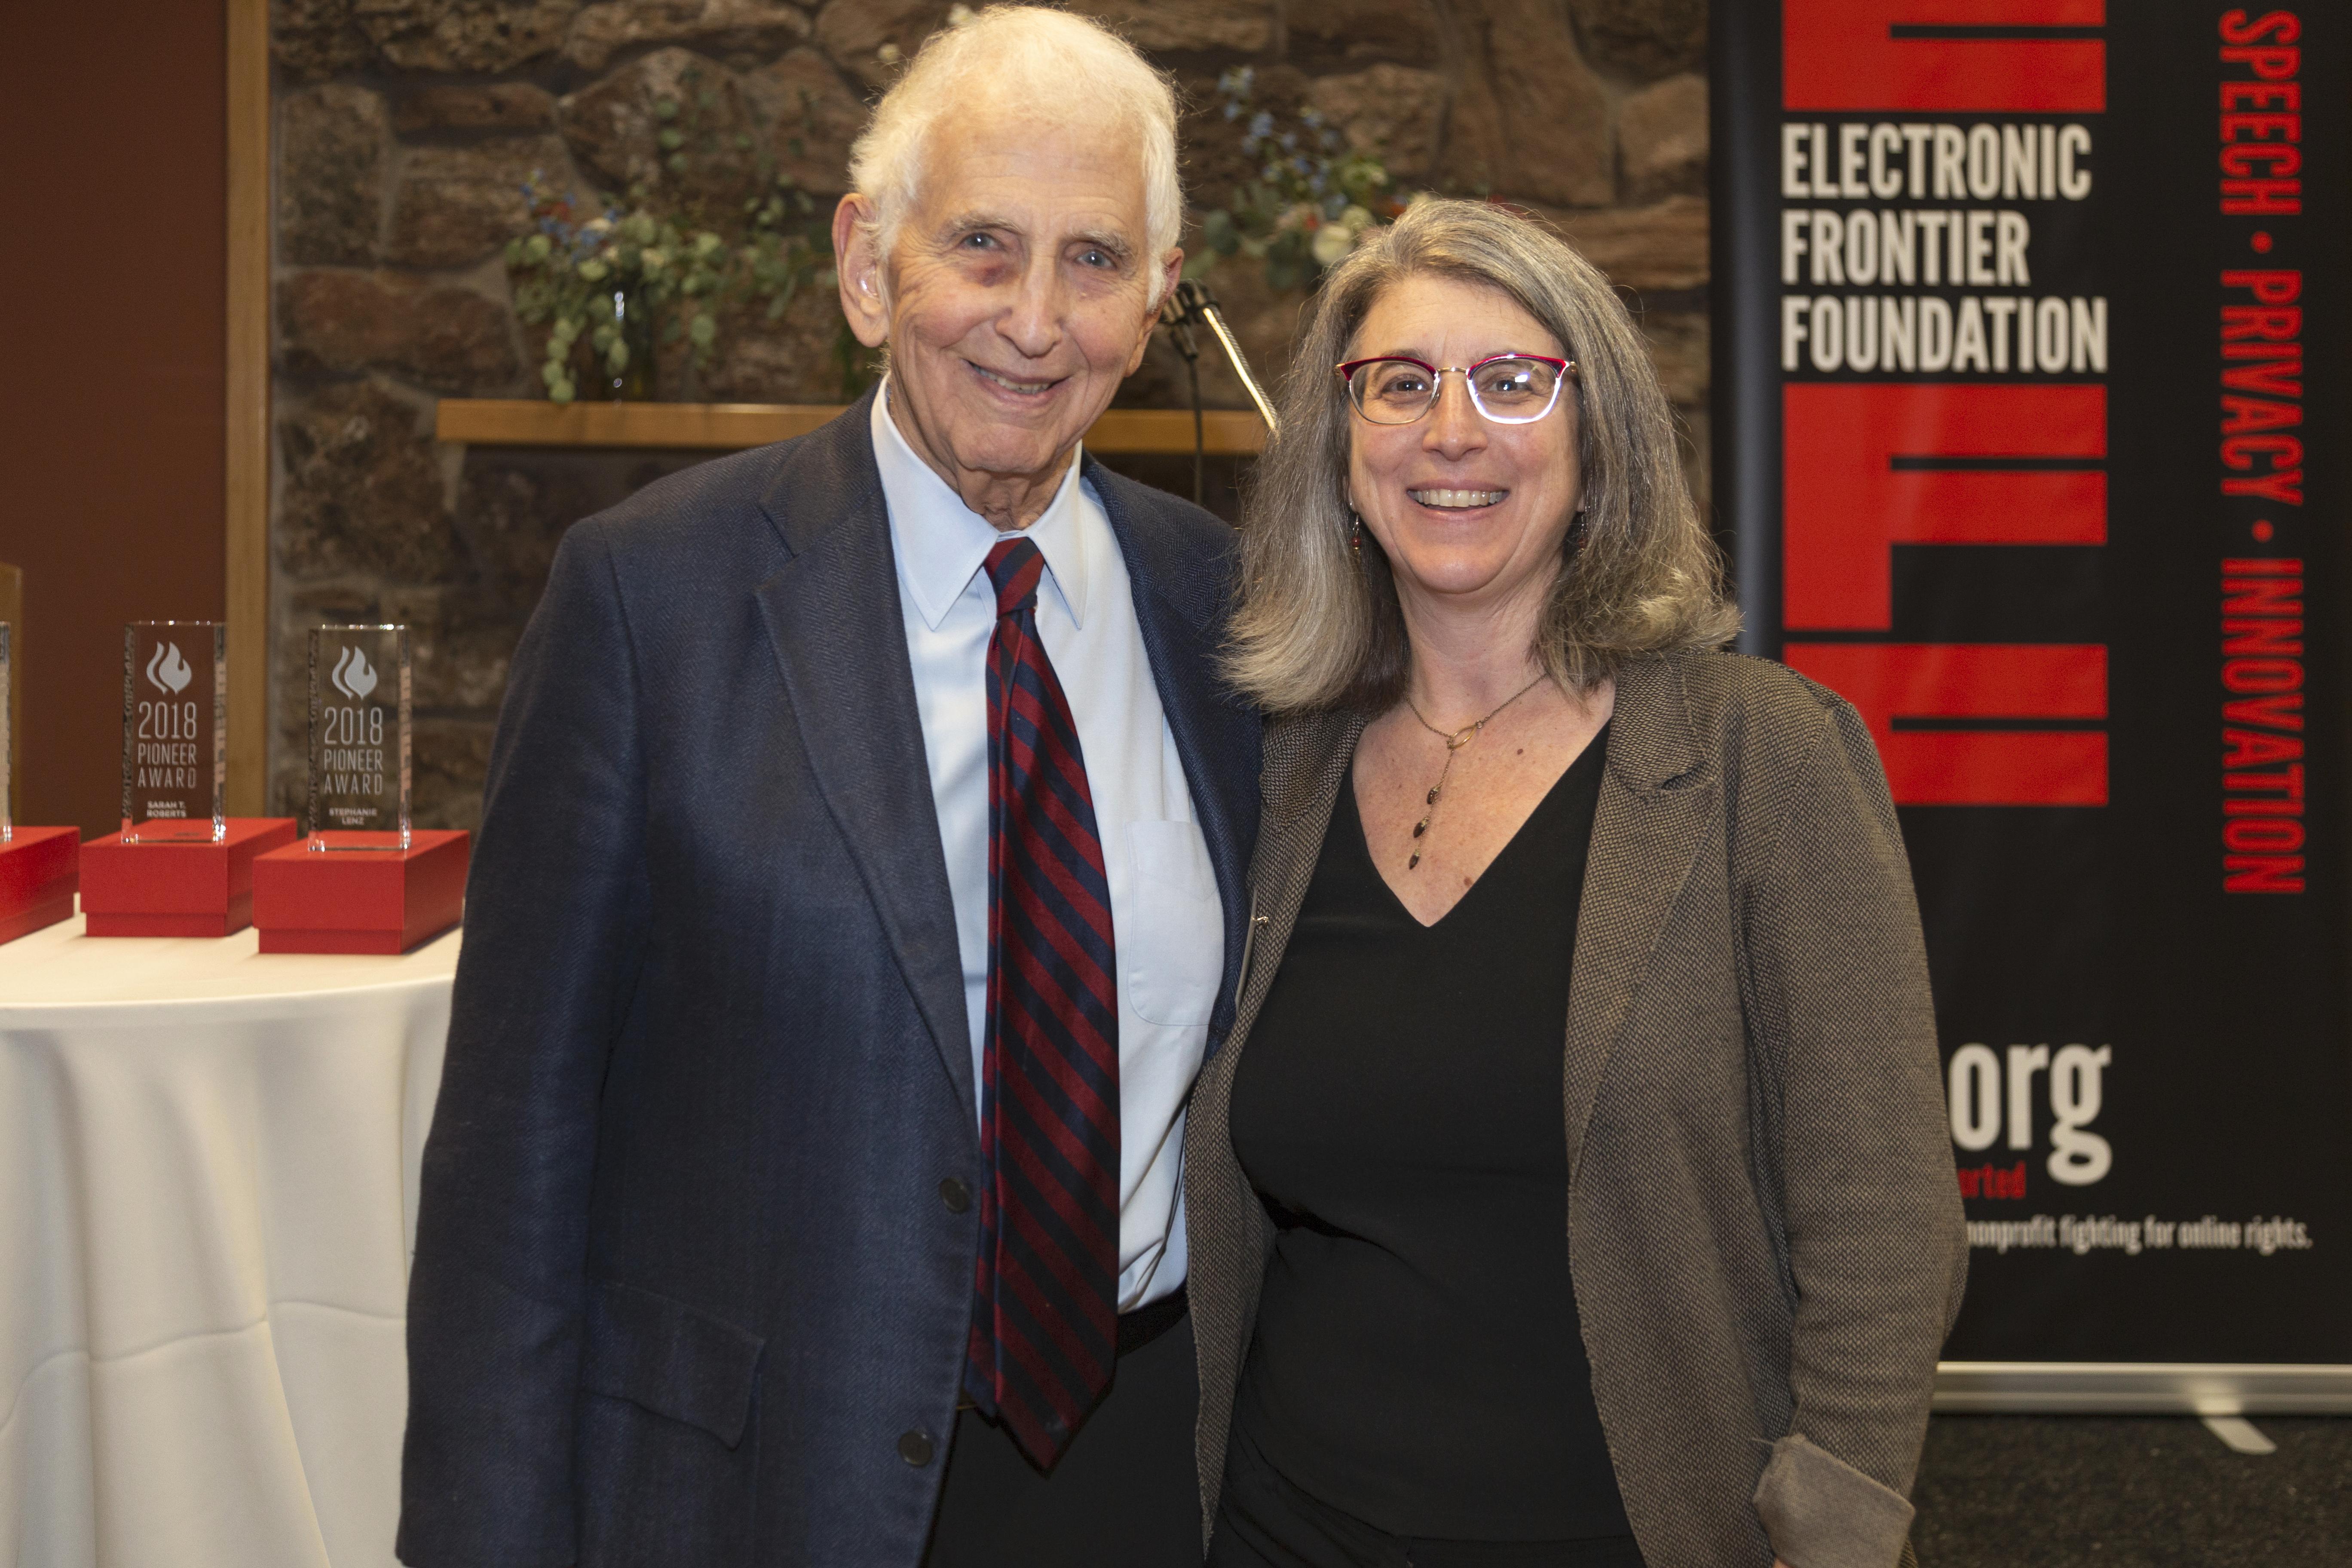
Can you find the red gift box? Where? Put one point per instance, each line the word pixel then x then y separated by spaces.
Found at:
pixel 38 871
pixel 361 899
pixel 169 889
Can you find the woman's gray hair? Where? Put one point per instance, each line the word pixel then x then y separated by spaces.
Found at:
pixel 1316 628
pixel 1049 68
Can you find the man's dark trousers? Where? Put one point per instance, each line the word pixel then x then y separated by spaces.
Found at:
pixel 1123 1496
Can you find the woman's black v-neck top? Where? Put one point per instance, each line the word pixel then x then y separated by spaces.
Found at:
pixel 1418 1362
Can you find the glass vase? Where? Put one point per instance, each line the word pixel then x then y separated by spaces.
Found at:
pixel 633 318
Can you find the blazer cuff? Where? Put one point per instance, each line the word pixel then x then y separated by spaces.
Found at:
pixel 1821 1512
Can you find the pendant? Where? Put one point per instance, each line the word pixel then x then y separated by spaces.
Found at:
pixel 1421 827
pixel 1414 861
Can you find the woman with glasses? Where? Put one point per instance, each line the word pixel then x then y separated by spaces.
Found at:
pixel 1573 1186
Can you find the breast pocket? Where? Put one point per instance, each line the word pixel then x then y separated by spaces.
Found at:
pixel 1172 936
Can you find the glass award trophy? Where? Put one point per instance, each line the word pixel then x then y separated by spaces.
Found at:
pixel 40 867
pixel 363 881
pixel 174 732
pixel 360 720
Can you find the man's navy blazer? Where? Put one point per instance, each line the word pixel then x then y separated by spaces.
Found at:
pixel 688 1285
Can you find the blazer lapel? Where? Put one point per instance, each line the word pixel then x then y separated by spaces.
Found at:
pixel 1307 765
pixel 1656 809
pixel 1177 605
pixel 834 621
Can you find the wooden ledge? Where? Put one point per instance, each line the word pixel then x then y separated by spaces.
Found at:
pixel 727 427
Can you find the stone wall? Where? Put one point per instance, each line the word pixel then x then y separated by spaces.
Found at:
pixel 406 130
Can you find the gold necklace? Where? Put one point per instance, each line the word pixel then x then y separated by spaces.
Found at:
pixel 1454 740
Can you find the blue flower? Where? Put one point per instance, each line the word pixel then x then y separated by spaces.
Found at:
pixel 1261 124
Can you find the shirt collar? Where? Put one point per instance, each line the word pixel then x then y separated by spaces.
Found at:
pixel 941 544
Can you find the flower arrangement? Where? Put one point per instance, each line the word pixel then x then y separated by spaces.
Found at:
pixel 614 279
pixel 1312 200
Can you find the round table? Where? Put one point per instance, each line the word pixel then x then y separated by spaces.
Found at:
pixel 208 1162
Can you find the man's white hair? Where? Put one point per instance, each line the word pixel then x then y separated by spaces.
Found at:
pixel 1047 68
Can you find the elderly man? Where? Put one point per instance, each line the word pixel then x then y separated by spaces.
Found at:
pixel 859 888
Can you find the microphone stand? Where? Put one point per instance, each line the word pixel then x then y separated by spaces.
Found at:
pixel 1188 304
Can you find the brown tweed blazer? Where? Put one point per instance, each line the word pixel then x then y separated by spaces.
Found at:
pixel 1763 1222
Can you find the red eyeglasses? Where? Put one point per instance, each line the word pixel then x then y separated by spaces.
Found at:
pixel 1508 389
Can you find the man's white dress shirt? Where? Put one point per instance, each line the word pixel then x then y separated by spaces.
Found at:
pixel 1167 926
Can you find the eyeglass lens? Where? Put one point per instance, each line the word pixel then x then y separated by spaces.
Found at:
pixel 1507 391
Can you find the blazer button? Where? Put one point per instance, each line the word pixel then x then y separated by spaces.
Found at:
pixel 915 1446
pixel 955 1194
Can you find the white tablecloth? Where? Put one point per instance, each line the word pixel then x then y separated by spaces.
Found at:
pixel 208 1165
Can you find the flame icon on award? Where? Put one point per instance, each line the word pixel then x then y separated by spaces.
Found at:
pixel 168 670
pixel 355 677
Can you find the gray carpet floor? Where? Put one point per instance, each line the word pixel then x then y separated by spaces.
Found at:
pixel 2015 1491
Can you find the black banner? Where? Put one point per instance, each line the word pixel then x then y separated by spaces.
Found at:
pixel 2031 439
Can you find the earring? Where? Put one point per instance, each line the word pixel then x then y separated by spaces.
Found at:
pixel 1356 536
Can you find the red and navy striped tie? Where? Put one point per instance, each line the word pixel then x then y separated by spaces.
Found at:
pixel 1045 1313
